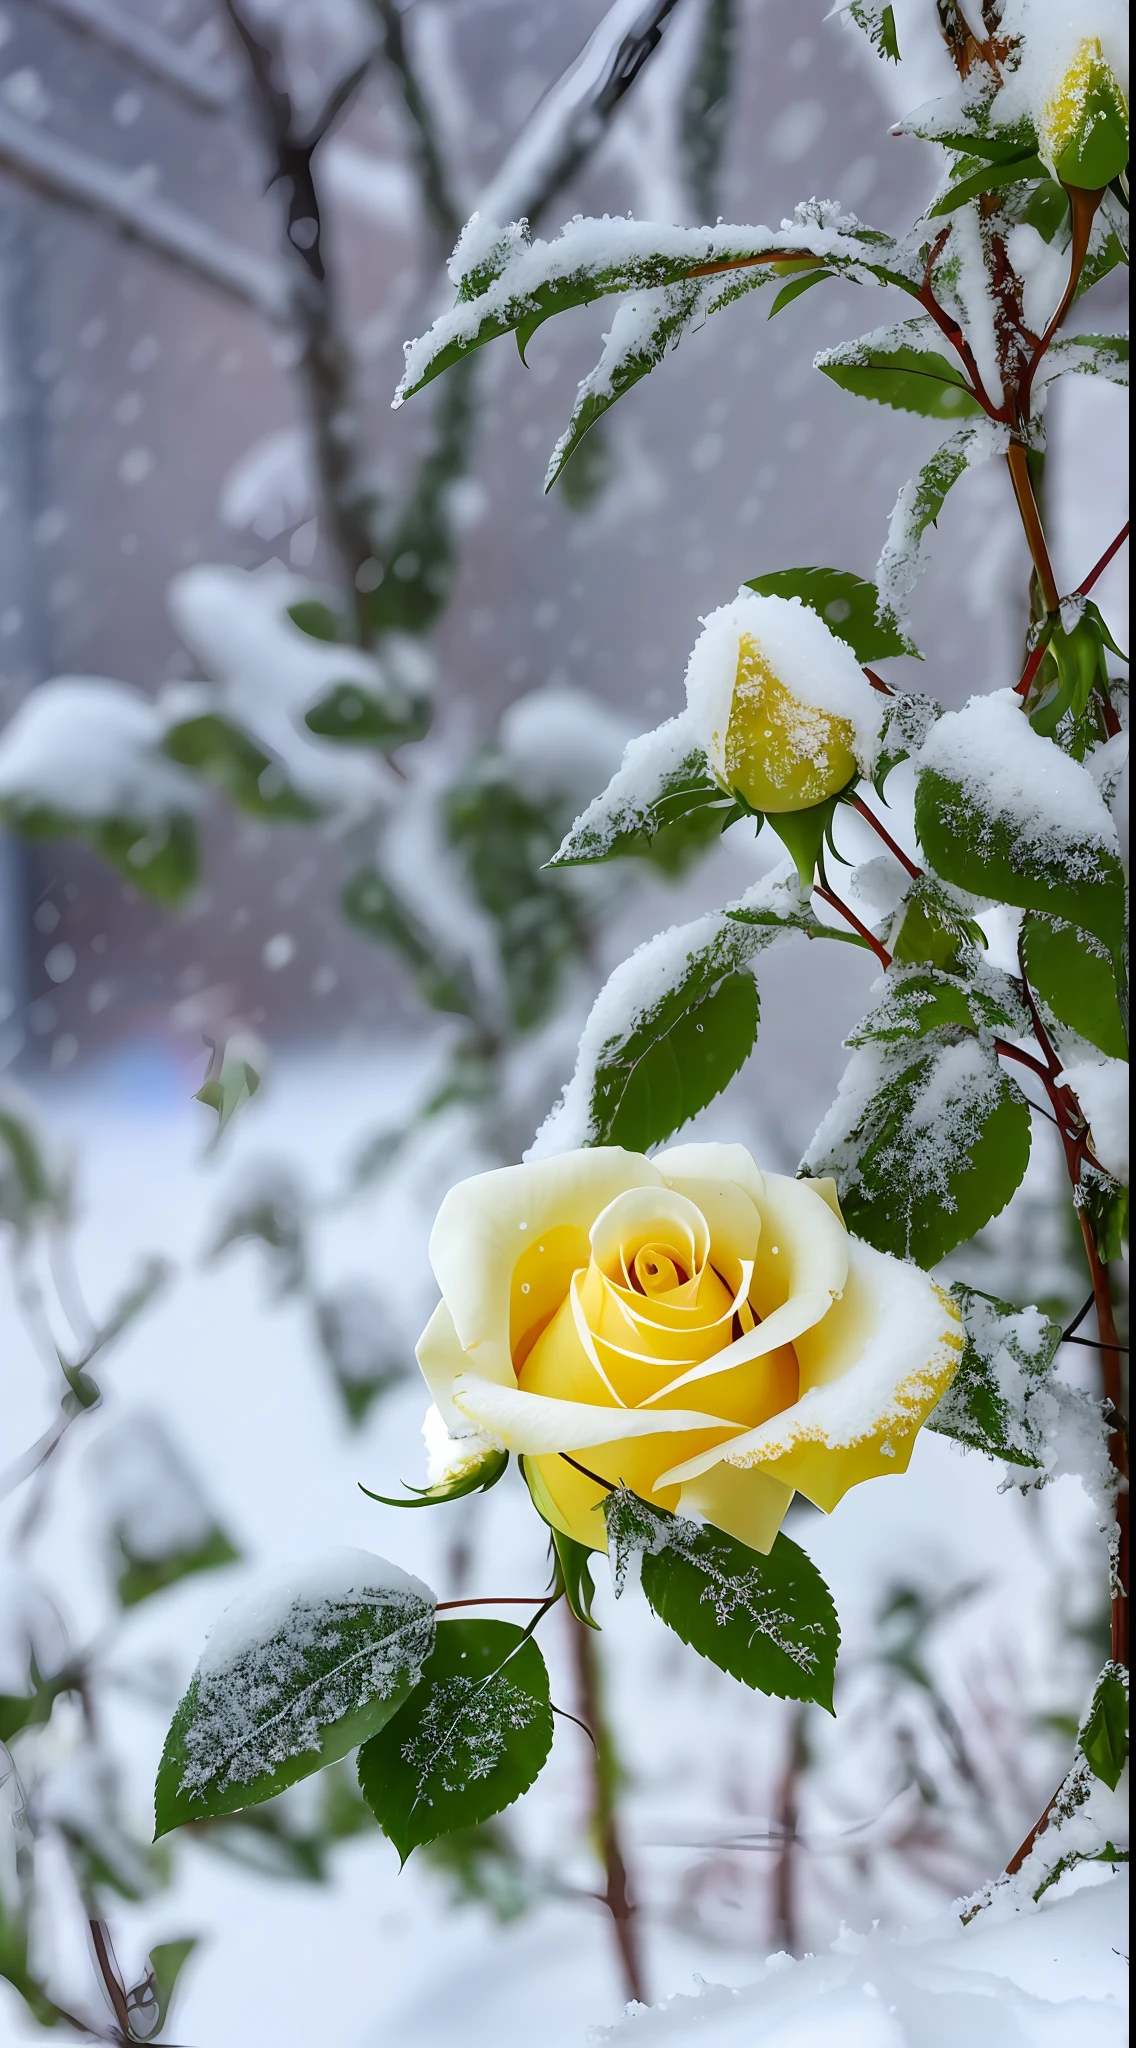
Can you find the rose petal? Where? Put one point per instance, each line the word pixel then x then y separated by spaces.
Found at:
pixel 486 1223
pixel 440 1357
pixel 748 1505
pixel 784 1326
pixel 536 1424
pixel 901 1339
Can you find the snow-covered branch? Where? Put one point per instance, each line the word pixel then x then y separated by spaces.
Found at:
pixel 148 51
pixel 573 114
pixel 74 177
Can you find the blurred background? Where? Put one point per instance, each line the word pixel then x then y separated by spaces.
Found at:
pixel 235 849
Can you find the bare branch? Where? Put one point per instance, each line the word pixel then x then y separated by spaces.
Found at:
pixel 433 176
pixel 130 37
pixel 74 177
pixel 574 113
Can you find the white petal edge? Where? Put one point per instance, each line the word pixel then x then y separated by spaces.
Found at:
pixel 537 1425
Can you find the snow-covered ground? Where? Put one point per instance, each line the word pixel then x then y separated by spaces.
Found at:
pixel 376 1956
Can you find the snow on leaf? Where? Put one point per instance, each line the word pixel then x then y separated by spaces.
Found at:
pixel 291 1680
pixel 662 780
pixel 643 329
pixel 918 507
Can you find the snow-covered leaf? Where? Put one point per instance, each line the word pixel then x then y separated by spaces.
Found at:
pixel 848 605
pixel 1000 1400
pixel 899 366
pixel 366 1356
pixel 877 20
pixel 371 904
pixel 662 802
pixel 926 1143
pixel 919 504
pixel 1073 974
pixel 221 752
pixel 1086 355
pixel 769 1620
pixel 913 1001
pixel 290 1681
pixel 930 926
pixel 1003 812
pixel 991 178
pixel 1103 1739
pixel 470 1739
pixel 643 329
pixel 591 259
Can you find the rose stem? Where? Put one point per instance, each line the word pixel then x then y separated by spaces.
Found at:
pixel 785 1932
pixel 1099 568
pixel 881 830
pixel 604 1815
pixel 496 1600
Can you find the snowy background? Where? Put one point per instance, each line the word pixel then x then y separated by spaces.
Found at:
pixel 149 426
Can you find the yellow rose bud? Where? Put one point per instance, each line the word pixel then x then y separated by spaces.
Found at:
pixel 1084 127
pixel 707 1334
pixel 781 705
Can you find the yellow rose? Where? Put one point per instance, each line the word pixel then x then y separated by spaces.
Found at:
pixel 781 704
pixel 1084 129
pixel 708 1334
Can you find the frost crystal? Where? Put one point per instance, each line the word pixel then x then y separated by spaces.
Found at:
pixel 463 1731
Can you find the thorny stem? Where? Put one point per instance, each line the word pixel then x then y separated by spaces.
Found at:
pixel 605 1818
pixel 1018 462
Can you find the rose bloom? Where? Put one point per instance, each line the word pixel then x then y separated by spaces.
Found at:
pixel 706 1334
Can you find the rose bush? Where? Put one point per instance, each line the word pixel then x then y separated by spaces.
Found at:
pixel 708 1334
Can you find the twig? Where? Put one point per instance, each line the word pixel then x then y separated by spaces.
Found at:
pixel 154 55
pixel 785 1930
pixel 496 1600
pixel 605 1819
pixel 74 177
pixel 323 364
pixel 573 115
pixel 1018 463
pixel 433 174
pixel 1083 210
pixel 1094 1344
pixel 850 917
pixel 1078 1319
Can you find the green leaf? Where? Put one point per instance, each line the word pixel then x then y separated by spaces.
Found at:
pixel 270 1210
pixel 769 1621
pixel 848 605
pixel 1103 1738
pixel 476 1478
pixel 973 842
pixel 930 927
pixel 1073 974
pixel 643 330
pixel 991 178
pixel 878 24
pixel 419 555
pixel 366 1357
pixel 137 1578
pixel 652 1079
pixel 472 1737
pixel 369 902
pixel 663 804
pixel 999 1400
pixel 349 712
pixel 796 288
pixel 225 755
pixel 926 1143
pixel 903 373
pixel 917 1001
pixel 504 843
pixel 805 832
pixel 27 1184
pixel 317 620
pixel 573 1575
pixel 293 1684
pixel 149 2004
pixel 537 280
pixel 231 1081
pixel 918 507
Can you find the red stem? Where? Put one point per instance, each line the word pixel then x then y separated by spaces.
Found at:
pixel 1084 588
pixel 881 953
pixel 496 1600
pixel 859 805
